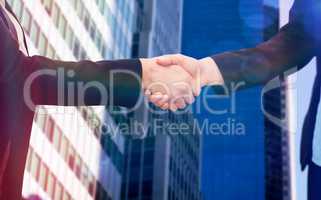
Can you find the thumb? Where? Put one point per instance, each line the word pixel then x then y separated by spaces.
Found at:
pixel 196 88
pixel 189 64
pixel 167 60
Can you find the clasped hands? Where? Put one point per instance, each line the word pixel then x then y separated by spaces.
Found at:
pixel 173 81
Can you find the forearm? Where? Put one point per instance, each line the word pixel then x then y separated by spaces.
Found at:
pixel 86 82
pixel 52 82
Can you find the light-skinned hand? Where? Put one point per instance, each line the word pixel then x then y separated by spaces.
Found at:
pixel 171 87
pixel 204 72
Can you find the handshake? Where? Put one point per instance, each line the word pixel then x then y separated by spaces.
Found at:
pixel 173 81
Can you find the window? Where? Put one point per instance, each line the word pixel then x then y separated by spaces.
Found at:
pixel 62 26
pixel 55 14
pixel 48 5
pixel 34 168
pixel 102 5
pixel 50 128
pixel 80 10
pixel 100 192
pixel 93 30
pixel 50 185
pixel 83 55
pixel 66 196
pixel 77 168
pixel 10 2
pixel 17 8
pixel 113 23
pixel 64 147
pixel 98 40
pixel 26 20
pixel 50 52
pixel 71 158
pixel 29 159
pixel 41 120
pixel 76 48
pixel 43 175
pixel 35 117
pixel 34 33
pixel 92 187
pixel 128 50
pixel 103 51
pixel 85 176
pixel 86 21
pixel 56 137
pixel 58 191
pixel 69 37
pixel 107 15
pixel 147 188
pixel 127 14
pixel 73 3
pixel 42 46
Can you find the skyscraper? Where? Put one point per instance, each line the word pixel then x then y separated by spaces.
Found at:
pixel 233 165
pixel 68 157
pixel 277 143
pixel 160 28
pixel 164 164
pixel 298 92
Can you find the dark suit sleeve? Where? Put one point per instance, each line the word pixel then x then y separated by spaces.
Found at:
pixel 292 46
pixel 85 78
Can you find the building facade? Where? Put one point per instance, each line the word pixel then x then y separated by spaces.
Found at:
pixel 277 142
pixel 80 153
pixel 69 157
pixel 298 96
pixel 233 164
pixel 159 28
pixel 165 164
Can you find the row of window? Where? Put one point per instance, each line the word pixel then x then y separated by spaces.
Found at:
pixel 123 7
pixel 186 146
pixel 108 145
pixel 91 119
pixel 140 169
pixel 118 33
pixel 89 25
pixel 32 28
pixel 64 29
pixel 67 152
pixel 183 180
pixel 45 178
pixel 39 39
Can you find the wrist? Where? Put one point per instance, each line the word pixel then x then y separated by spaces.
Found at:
pixel 145 72
pixel 210 72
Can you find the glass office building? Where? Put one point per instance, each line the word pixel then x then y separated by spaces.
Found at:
pixel 74 153
pixel 277 143
pixel 69 158
pixel 165 164
pixel 162 165
pixel 233 164
pixel 159 28
pixel 298 98
pixel 244 24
